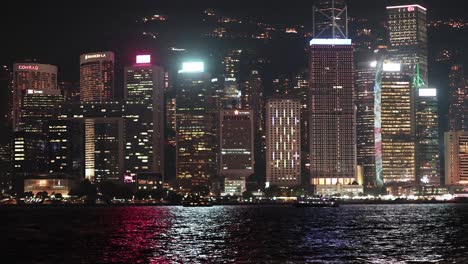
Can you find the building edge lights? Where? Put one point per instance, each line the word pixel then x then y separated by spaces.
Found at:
pixel 318 41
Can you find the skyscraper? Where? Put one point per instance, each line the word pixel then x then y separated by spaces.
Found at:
pixel 37 108
pixel 104 138
pixel 97 77
pixel 397 125
pixel 283 141
pixel 236 147
pixel 456 155
pixel 65 147
pixel 196 127
pixel 231 63
pixel 407 25
pixel 6 83
pixel 253 98
pixel 458 91
pixel 332 124
pixel 427 137
pixel 30 79
pixel 144 145
pixel 365 78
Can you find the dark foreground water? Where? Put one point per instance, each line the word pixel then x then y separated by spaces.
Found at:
pixel 236 234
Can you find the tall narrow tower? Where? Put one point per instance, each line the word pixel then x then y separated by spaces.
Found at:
pixel 332 98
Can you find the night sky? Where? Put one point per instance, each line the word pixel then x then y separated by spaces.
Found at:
pixel 57 32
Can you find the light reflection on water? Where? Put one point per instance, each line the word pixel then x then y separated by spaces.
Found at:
pixel 237 234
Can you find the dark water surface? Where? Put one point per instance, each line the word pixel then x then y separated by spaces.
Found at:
pixel 236 234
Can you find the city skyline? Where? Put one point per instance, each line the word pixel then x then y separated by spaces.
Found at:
pixel 132 113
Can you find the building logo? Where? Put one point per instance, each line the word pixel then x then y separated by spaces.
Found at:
pixel 28 67
pixel 95 56
pixel 410 8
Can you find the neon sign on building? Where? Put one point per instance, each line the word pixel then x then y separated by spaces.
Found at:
pixel 28 67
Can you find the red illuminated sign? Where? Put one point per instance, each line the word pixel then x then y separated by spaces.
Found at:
pixel 28 67
pixel 410 8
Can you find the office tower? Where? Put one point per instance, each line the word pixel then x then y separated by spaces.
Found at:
pixel 456 157
pixel 283 140
pixel 427 137
pixel 231 63
pixel 170 115
pixel 70 91
pixel 397 125
pixel 332 124
pixel 236 148
pixel 365 78
pixel 196 133
pixel 282 86
pixel 5 168
pixel 253 98
pixel 65 147
pixel 97 77
pixel 30 79
pixel 104 138
pixel 226 93
pixel 144 128
pixel 6 83
pixel 300 89
pixel 458 91
pixel 38 108
pixel 29 157
pixel 407 25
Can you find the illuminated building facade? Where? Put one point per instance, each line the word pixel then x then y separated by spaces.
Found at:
pixel 97 77
pixel 37 108
pixel 236 143
pixel 144 122
pixel 283 141
pixel 70 91
pixel 196 158
pixel 365 79
pixel 397 125
pixel 407 25
pixel 458 91
pixel 332 123
pixel 31 79
pixel 236 147
pixel 5 168
pixel 29 157
pixel 104 138
pixel 65 147
pixel 253 98
pixel 456 158
pixel 427 137
pixel 300 90
pixel 231 64
pixel 6 88
pixel 226 93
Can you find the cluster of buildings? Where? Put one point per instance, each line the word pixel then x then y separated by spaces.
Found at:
pixel 345 127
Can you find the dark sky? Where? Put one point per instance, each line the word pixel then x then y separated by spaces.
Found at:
pixel 57 32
